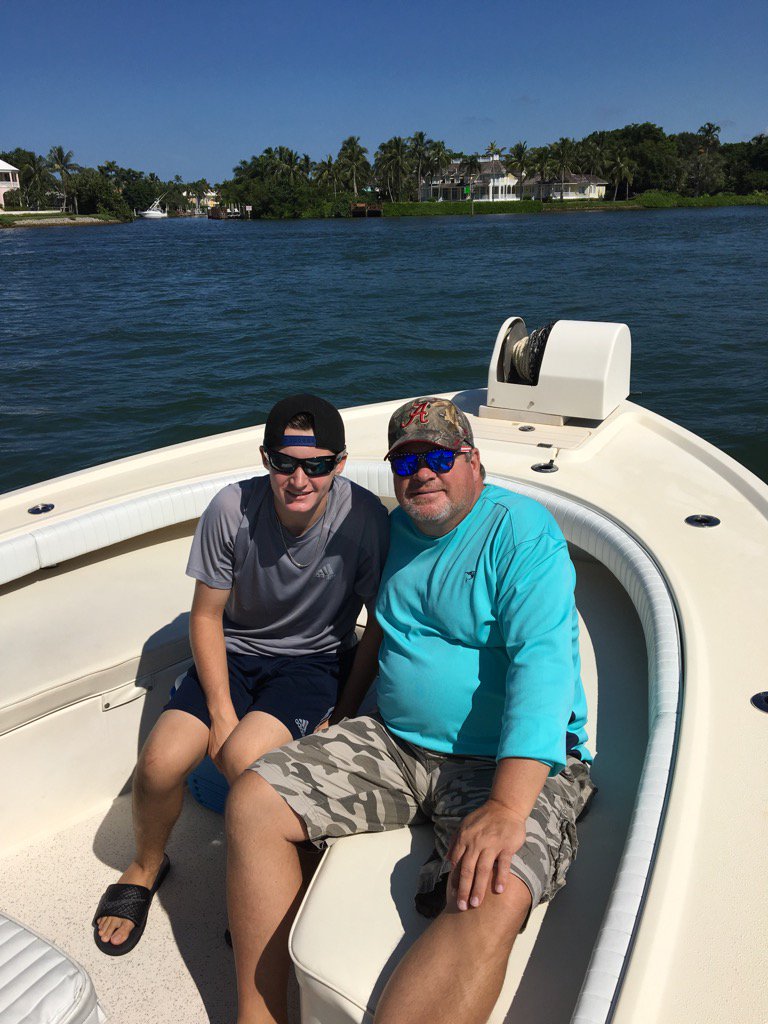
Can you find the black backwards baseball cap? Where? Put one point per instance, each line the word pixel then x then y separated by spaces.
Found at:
pixel 329 426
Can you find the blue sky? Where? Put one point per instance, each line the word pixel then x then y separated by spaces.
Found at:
pixel 191 88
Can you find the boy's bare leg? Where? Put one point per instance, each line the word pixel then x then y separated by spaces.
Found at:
pixel 179 742
pixel 455 970
pixel 265 885
pixel 257 733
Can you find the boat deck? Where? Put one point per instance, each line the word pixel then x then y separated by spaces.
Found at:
pixel 698 952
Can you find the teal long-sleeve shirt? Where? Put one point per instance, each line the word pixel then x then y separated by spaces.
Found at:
pixel 480 655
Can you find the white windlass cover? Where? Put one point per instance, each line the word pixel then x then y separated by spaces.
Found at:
pixel 584 372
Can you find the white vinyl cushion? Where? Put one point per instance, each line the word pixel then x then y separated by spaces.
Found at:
pixel 39 984
pixel 644 583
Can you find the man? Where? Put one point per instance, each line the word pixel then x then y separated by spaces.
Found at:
pixel 481 729
pixel 283 564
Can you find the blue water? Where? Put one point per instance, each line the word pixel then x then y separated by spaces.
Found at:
pixel 119 339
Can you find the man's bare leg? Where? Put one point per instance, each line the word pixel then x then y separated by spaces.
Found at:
pixel 265 885
pixel 176 745
pixel 455 970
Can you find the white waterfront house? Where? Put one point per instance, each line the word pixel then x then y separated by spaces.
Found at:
pixel 573 186
pixel 493 182
pixel 205 203
pixel 9 180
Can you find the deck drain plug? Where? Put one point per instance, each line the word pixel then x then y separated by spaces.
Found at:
pixel 545 467
pixel 38 510
pixel 702 520
pixel 760 701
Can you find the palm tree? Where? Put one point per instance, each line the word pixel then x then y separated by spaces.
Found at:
pixel 110 170
pixel 438 158
pixel 619 169
pixel 285 164
pixel 519 162
pixel 246 169
pixel 470 168
pixel 326 172
pixel 35 180
pixel 63 164
pixel 563 152
pixel 629 176
pixel 268 164
pixel 593 157
pixel 492 150
pixel 418 151
pixel 352 161
pixel 710 136
pixel 392 165
pixel 702 162
pixel 544 166
pixel 198 190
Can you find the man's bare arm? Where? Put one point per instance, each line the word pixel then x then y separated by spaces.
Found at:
pixel 489 837
pixel 206 634
pixel 364 669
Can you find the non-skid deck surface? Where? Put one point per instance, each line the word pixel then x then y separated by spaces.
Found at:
pixel 182 970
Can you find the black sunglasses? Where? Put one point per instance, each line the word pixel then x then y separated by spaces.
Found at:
pixel 439 460
pixel 317 465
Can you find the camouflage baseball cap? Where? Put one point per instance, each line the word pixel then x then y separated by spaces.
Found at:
pixel 429 419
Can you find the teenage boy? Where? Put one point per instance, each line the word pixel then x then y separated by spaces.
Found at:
pixel 283 564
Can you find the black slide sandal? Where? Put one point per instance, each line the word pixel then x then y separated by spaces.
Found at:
pixel 131 902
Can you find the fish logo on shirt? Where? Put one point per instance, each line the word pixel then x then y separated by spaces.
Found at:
pixel 470 574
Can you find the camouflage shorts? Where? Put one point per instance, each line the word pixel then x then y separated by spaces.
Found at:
pixel 358 777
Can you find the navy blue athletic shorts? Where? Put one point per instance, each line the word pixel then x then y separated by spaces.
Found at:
pixel 300 692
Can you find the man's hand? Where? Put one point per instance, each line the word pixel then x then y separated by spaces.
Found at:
pixel 223 725
pixel 485 844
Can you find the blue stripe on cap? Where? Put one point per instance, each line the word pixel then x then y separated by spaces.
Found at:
pixel 298 441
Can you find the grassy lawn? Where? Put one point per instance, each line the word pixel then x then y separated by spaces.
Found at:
pixel 47 219
pixel 646 201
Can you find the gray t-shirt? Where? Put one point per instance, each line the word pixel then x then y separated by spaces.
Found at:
pixel 275 607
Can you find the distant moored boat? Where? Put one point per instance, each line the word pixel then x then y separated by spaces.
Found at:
pixel 154 212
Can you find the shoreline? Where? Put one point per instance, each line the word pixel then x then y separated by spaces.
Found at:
pixel 67 221
pixel 463 208
pixel 646 201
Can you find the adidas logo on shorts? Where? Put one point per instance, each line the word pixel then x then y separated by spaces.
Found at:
pixel 303 725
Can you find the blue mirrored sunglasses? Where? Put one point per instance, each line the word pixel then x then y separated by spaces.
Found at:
pixel 439 460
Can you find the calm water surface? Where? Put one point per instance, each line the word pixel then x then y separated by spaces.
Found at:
pixel 115 340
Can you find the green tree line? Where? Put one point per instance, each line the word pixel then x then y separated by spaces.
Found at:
pixel 58 182
pixel 637 158
pixel 282 183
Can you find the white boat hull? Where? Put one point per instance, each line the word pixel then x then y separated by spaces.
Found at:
pixel 93 628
